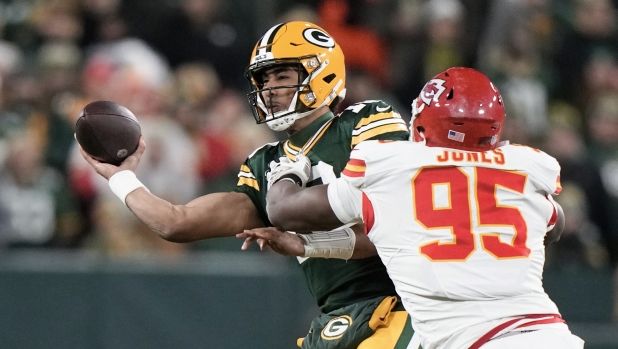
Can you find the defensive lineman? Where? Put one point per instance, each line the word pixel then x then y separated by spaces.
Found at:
pixel 459 219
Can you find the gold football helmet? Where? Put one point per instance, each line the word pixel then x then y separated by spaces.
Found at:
pixel 320 64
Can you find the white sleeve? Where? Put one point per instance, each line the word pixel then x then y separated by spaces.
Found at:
pixel 545 173
pixel 345 200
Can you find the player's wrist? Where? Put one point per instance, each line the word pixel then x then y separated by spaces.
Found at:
pixel 338 243
pixel 123 183
pixel 291 177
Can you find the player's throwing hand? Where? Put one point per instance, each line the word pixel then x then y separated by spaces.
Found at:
pixel 108 170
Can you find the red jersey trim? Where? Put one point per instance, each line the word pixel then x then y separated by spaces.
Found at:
pixel 489 335
pixel 558 186
pixel 368 214
pixel 355 168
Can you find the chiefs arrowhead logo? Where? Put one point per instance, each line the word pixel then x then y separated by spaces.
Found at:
pixel 432 91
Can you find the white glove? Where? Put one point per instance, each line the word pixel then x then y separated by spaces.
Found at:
pixel 298 170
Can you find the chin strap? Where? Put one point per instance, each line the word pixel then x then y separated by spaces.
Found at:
pixel 424 141
pixel 284 122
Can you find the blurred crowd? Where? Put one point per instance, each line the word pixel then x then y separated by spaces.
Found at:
pixel 179 66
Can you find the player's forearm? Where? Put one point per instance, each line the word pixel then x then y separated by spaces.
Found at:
pixel 363 247
pixel 209 216
pixel 160 216
pixel 342 243
pixel 287 208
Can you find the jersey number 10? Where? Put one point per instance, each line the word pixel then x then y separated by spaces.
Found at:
pixel 456 214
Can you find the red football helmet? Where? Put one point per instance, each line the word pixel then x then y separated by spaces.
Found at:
pixel 459 108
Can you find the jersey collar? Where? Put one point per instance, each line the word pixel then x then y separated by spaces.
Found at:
pixel 300 138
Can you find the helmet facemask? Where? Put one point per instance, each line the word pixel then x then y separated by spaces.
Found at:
pixel 303 102
pixel 416 131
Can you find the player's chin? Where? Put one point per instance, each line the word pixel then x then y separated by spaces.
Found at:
pixel 275 108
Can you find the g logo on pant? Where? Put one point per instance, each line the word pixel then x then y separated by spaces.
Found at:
pixel 335 328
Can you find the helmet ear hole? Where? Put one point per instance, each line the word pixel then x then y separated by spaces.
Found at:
pixel 420 129
pixel 485 140
pixel 450 94
pixel 330 77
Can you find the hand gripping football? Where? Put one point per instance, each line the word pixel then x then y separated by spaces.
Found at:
pixel 107 131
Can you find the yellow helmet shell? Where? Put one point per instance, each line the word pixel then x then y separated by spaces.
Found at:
pixel 311 47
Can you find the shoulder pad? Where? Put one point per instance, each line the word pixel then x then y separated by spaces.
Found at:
pixel 374 119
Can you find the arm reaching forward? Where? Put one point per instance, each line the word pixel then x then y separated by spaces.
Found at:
pixel 209 216
pixel 289 244
pixel 287 204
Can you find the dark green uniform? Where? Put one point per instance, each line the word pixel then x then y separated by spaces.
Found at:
pixel 335 283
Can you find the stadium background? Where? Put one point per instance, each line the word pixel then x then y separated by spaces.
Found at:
pixel 78 271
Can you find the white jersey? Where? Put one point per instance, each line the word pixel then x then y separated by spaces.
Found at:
pixel 461 233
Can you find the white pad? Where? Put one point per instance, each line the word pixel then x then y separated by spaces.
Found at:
pixel 338 243
pixel 123 183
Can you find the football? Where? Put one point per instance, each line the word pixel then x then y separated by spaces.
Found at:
pixel 107 131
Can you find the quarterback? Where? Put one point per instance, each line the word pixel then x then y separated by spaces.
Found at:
pixel 297 76
pixel 459 219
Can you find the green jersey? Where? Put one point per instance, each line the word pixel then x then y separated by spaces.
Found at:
pixel 327 142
